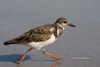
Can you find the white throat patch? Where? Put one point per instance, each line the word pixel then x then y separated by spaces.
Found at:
pixel 61 26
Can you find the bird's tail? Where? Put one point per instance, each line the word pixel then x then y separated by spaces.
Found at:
pixel 8 42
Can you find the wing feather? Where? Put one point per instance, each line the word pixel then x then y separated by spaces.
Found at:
pixel 38 34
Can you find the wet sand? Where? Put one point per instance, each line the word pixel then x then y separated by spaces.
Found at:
pixel 78 47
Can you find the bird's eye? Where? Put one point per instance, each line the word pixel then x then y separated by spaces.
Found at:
pixel 65 22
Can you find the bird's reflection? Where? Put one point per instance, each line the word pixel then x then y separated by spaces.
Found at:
pixel 53 65
pixel 19 65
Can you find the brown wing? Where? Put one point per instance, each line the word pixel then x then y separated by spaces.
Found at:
pixel 38 34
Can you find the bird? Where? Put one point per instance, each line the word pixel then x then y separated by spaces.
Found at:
pixel 40 37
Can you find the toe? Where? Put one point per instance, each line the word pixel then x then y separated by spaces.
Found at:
pixel 56 58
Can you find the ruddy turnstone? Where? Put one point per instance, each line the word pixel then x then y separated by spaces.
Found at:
pixel 41 36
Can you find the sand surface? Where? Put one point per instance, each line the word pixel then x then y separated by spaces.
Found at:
pixel 78 47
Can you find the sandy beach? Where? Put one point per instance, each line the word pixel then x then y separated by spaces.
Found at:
pixel 78 47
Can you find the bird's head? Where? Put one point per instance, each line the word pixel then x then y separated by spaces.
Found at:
pixel 63 22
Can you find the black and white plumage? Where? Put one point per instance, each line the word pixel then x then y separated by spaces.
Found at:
pixel 41 36
pixel 46 33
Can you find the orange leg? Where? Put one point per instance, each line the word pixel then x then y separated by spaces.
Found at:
pixel 22 57
pixel 51 55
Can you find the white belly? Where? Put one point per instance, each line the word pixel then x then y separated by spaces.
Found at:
pixel 39 45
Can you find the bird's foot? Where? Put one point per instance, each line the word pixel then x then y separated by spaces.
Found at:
pixel 51 55
pixel 55 57
pixel 19 60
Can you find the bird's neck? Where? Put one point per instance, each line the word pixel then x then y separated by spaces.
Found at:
pixel 59 25
pixel 58 31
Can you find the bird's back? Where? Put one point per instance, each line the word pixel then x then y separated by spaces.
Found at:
pixel 34 35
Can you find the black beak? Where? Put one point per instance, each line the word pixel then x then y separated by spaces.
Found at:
pixel 71 25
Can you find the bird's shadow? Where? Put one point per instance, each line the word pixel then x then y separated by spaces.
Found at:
pixel 12 57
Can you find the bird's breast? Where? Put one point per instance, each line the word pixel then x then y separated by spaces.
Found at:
pixel 39 45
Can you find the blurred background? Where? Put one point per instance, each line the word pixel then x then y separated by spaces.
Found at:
pixel 19 16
